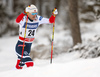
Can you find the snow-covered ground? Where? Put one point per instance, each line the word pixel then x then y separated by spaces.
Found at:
pixel 76 68
pixel 65 64
pixel 7 53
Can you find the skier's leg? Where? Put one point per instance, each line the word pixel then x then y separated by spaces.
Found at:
pixel 27 59
pixel 19 52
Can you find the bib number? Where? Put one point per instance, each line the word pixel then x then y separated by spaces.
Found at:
pixel 31 32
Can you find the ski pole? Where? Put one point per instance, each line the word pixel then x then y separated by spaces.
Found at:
pixel 52 41
pixel 24 41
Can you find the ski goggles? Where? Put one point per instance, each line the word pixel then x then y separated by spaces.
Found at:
pixel 34 13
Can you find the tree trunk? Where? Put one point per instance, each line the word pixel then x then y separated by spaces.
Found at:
pixel 57 4
pixel 10 7
pixel 4 3
pixel 75 28
pixel 33 2
pixel 40 7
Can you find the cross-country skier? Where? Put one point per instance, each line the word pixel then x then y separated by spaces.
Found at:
pixel 32 23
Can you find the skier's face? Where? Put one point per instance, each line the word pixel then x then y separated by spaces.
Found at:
pixel 32 16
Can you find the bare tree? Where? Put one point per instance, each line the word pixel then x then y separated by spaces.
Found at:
pixel 75 28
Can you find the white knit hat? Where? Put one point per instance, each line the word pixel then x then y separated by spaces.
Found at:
pixel 31 8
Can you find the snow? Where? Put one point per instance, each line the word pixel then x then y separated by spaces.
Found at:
pixel 65 64
pixel 7 54
pixel 76 68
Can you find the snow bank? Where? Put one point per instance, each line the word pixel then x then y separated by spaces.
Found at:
pixel 89 49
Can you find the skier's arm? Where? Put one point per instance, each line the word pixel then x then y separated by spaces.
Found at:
pixel 51 19
pixel 20 17
pixel 46 20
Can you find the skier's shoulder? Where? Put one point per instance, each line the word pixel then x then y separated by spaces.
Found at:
pixel 39 17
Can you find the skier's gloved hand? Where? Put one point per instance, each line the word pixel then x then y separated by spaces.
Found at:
pixel 54 12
